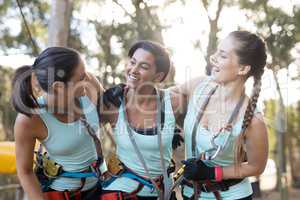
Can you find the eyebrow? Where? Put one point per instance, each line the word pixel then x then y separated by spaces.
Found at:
pixel 141 63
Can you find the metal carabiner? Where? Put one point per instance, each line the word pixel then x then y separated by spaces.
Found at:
pixel 218 149
pixel 212 141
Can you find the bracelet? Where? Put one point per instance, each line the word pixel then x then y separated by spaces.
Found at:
pixel 218 173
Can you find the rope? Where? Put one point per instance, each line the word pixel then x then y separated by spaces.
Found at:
pixel 34 46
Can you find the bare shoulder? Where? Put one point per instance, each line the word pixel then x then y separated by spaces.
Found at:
pixel 26 126
pixel 257 128
pixel 93 88
pixel 177 98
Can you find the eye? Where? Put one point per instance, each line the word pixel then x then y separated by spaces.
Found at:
pixel 131 62
pixel 223 56
pixel 144 66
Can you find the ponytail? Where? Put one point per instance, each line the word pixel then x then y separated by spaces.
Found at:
pixel 22 97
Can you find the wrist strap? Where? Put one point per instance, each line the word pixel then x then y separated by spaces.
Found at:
pixel 218 173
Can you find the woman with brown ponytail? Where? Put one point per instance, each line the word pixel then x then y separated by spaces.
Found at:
pixel 58 119
pixel 225 136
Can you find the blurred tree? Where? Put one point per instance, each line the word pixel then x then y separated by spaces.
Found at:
pixel 281 35
pixel 293 143
pixel 7 114
pixel 13 35
pixel 142 24
pixel 59 25
pixel 213 20
pixel 269 113
pixel 213 9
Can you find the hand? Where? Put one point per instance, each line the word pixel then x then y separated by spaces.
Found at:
pixel 177 139
pixel 197 170
pixel 114 95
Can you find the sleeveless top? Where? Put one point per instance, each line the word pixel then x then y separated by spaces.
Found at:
pixel 70 145
pixel 203 138
pixel 148 145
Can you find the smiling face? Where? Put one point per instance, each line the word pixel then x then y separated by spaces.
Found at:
pixel 225 62
pixel 141 69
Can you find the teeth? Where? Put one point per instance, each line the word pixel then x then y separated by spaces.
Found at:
pixel 132 77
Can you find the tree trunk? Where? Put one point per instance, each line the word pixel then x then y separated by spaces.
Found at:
pixel 280 128
pixel 59 25
pixel 212 38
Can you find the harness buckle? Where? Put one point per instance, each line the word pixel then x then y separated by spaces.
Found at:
pixel 114 165
pixel 50 167
pixel 204 188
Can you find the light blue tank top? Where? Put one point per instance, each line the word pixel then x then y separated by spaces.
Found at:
pixel 203 138
pixel 70 145
pixel 148 145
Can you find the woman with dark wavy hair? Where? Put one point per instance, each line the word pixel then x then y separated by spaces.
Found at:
pixel 143 127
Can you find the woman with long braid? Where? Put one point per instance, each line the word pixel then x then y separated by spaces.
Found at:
pixel 225 136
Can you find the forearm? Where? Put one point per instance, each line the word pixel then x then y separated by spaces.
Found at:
pixel 242 171
pixel 30 185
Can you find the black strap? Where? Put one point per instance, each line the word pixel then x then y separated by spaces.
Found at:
pixel 199 117
pixel 96 140
pixel 215 186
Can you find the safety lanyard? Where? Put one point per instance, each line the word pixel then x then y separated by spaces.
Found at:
pixel 92 132
pixel 159 128
pixel 216 148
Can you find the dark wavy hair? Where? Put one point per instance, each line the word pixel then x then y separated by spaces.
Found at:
pixel 161 56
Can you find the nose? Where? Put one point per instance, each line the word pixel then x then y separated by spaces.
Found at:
pixel 133 68
pixel 212 58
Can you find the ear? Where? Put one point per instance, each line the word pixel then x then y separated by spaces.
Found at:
pixel 57 87
pixel 244 70
pixel 159 77
pixel 36 88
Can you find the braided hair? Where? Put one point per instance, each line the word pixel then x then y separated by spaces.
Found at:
pixel 251 51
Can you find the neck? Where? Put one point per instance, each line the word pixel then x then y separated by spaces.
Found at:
pixel 231 91
pixel 142 95
pixel 61 106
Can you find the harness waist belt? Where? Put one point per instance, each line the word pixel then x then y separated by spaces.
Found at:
pixel 215 186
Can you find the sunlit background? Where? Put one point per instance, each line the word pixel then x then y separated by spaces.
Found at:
pixel 103 30
pixel 185 35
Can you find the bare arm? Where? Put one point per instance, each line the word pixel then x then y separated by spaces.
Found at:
pixel 25 142
pixel 188 87
pixel 179 106
pixel 93 88
pixel 257 151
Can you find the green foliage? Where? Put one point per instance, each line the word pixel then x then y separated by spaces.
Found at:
pixel 269 113
pixel 142 24
pixel 35 12
pixel 280 30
